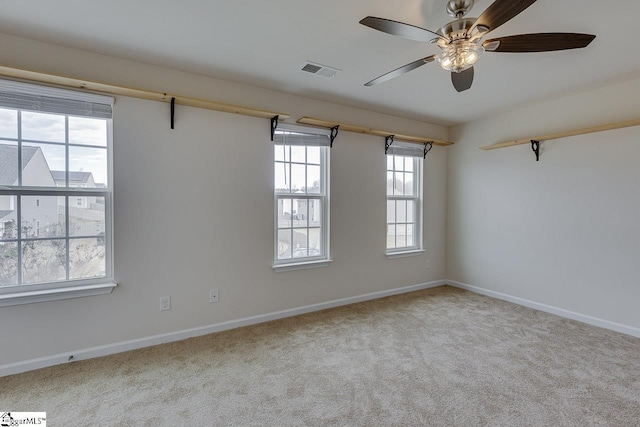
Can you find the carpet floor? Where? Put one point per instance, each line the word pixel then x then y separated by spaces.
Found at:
pixel 439 357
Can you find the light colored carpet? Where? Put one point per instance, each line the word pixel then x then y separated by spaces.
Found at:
pixel 441 357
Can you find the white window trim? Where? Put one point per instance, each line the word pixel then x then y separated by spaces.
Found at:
pixel 418 249
pixel 308 262
pixel 51 291
pixel 59 293
pixel 302 265
pixel 404 254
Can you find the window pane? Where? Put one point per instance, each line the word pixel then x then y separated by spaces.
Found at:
pixel 87 258
pixel 399 184
pixel 313 179
pixel 399 163
pixel 409 184
pixel 300 214
pixel 297 178
pixel 389 183
pixel 43 261
pixel 410 235
pixel 8 217
pixel 315 242
pixel 43 127
pixel 284 213
pixel 43 216
pixel 389 163
pixel 282 181
pixel 391 211
pixel 86 216
pixel 284 244
pixel 8 163
pixel 300 243
pixel 391 236
pixel 42 164
pixel 313 155
pixel 401 211
pixel 8 263
pixel 87 167
pixel 281 152
pixel 411 209
pixel 8 123
pixel 401 235
pixel 408 164
pixel 315 212
pixel 298 154
pixel 87 131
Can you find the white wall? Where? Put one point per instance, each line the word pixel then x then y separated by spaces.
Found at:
pixel 565 231
pixel 216 169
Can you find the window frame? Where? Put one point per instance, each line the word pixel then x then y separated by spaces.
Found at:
pixel 24 293
pixel 418 202
pixel 324 258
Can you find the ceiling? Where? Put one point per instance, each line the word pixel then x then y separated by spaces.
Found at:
pixel 265 43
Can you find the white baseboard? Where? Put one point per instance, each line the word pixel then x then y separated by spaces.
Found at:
pixel 618 327
pixel 105 350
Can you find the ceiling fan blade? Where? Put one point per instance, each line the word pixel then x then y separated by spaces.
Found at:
pixel 401 29
pixel 500 12
pixel 542 42
pixel 400 71
pixel 463 81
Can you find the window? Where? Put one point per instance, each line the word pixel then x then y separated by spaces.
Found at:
pixel 301 177
pixel 404 198
pixel 49 246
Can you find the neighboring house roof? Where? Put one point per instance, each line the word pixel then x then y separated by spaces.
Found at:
pixel 9 164
pixel 82 177
pixel 5 213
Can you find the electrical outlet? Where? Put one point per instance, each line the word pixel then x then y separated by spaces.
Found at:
pixel 213 295
pixel 165 303
pixel 428 263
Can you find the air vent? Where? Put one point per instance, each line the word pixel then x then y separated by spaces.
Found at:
pixel 320 70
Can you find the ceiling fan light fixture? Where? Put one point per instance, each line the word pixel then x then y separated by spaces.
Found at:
pixel 459 56
pixel 461 43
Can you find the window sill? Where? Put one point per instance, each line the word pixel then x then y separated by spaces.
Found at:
pixel 301 265
pixel 416 252
pixel 29 297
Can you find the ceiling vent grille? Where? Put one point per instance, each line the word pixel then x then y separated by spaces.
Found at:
pixel 320 70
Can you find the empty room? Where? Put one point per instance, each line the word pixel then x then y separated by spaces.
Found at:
pixel 296 213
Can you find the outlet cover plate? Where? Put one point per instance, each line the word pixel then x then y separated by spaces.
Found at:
pixel 214 296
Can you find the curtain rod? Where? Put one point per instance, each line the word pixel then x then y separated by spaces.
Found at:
pixel 369 131
pixel 73 82
pixel 583 131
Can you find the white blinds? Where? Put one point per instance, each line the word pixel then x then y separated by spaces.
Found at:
pixel 26 96
pixel 301 135
pixel 405 149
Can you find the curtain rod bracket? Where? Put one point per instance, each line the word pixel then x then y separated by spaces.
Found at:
pixel 334 134
pixel 173 111
pixel 274 125
pixel 427 147
pixel 535 146
pixel 387 142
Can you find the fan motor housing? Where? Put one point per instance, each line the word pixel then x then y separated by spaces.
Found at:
pixel 458 29
pixel 459 8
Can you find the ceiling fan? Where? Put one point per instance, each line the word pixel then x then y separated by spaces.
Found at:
pixel 461 40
